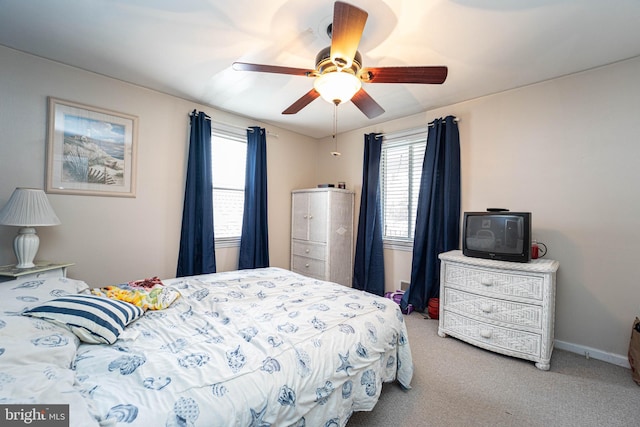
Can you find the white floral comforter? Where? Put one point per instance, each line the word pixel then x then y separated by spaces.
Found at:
pixel 35 355
pixel 263 347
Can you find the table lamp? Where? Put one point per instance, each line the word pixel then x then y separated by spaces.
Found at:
pixel 27 208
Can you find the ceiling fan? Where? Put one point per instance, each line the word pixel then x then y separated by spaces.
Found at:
pixel 339 73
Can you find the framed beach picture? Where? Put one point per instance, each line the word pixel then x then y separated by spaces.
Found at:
pixel 90 151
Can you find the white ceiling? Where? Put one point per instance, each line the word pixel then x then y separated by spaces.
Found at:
pixel 186 47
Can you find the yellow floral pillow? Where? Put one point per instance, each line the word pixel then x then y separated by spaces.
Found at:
pixel 157 297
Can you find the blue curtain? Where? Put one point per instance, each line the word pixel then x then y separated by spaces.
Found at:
pixel 368 271
pixel 197 243
pixel 438 217
pixel 254 243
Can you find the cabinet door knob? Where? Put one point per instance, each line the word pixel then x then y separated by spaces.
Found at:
pixel 306 265
pixel 304 216
pixel 310 216
pixel 486 308
pixel 485 333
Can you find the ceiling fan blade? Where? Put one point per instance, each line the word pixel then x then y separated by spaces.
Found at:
pixel 244 66
pixel 367 104
pixel 302 102
pixel 424 75
pixel 346 31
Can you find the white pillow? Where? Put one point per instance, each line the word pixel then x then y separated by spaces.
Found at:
pixel 19 295
pixel 93 319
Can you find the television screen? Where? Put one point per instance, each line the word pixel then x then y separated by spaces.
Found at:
pixel 502 235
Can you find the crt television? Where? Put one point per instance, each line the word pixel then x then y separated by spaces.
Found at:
pixel 499 235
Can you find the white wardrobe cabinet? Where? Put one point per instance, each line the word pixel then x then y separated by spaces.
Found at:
pixel 322 234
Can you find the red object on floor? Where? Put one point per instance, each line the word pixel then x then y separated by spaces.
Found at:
pixel 433 308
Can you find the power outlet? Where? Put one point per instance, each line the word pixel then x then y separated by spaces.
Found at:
pixel 404 285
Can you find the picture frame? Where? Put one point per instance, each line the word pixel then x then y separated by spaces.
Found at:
pixel 90 150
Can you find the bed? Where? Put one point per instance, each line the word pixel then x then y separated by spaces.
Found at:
pixel 263 347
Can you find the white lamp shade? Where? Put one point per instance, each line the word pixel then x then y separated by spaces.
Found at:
pixel 28 207
pixel 337 87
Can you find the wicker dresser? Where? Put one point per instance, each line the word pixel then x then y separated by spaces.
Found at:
pixel 506 307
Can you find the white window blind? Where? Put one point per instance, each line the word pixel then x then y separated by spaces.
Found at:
pixel 229 156
pixel 401 169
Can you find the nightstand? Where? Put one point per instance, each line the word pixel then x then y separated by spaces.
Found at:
pixel 42 270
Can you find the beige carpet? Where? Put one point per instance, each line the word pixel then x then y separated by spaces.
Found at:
pixel 457 384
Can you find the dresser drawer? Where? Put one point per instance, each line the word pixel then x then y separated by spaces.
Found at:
pixel 491 309
pixel 308 266
pixel 509 341
pixel 492 282
pixel 308 250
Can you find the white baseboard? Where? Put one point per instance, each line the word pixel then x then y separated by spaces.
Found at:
pixel 593 353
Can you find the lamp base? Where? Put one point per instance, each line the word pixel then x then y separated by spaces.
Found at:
pixel 25 246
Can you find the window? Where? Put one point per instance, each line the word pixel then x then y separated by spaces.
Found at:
pixel 229 155
pixel 401 170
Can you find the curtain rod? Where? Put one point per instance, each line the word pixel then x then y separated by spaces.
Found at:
pixel 455 119
pixel 228 125
pixel 413 131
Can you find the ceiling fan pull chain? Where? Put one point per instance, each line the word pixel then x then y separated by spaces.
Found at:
pixel 335 123
pixel 335 129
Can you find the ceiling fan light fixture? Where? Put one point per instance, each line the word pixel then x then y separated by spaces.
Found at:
pixel 337 87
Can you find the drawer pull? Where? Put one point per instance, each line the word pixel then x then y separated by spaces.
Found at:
pixel 307 250
pixel 306 265
pixel 486 308
pixel 485 333
pixel 486 281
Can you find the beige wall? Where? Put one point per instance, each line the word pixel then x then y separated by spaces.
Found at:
pixel 113 239
pixel 568 151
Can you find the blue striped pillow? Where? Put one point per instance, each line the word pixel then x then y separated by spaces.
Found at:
pixel 93 319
